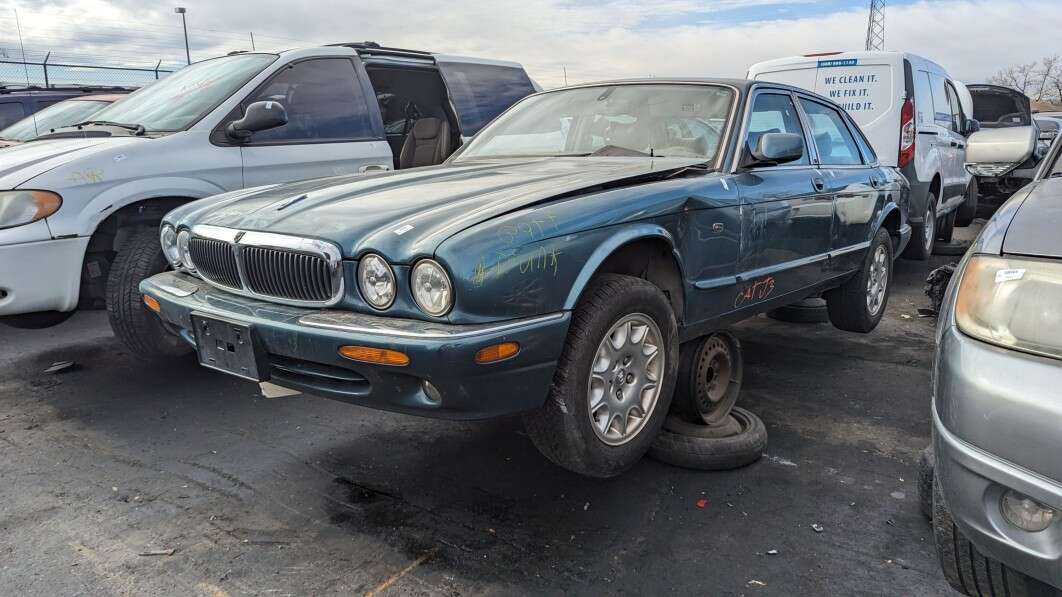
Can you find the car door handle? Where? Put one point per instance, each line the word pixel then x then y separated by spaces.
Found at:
pixel 819 183
pixel 372 168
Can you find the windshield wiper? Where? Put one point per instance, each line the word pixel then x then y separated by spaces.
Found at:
pixel 138 129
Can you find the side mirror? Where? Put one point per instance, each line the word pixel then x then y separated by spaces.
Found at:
pixel 972 126
pixel 259 116
pixel 777 148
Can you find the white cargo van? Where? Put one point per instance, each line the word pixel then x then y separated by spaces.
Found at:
pixel 916 117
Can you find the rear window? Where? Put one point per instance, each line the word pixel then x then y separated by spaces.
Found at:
pixel 998 108
pixel 482 91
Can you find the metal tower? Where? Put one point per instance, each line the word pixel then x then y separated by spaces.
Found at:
pixel 876 26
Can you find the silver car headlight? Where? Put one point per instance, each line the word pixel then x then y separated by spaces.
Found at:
pixel 376 281
pixel 432 288
pixel 1014 303
pixel 18 208
pixel 183 238
pixel 168 240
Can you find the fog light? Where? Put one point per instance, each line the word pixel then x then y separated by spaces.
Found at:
pixel 497 352
pixel 1025 513
pixel 432 392
pixel 152 303
pixel 376 356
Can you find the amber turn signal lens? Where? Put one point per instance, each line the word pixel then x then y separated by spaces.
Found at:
pixel 376 356
pixel 497 352
pixel 152 303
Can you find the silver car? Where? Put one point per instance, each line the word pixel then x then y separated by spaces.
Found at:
pixel 997 401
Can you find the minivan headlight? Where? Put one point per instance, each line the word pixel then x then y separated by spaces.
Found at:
pixel 376 281
pixel 432 288
pixel 168 240
pixel 1012 302
pixel 18 208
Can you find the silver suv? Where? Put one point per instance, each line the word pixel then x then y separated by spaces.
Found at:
pixel 79 208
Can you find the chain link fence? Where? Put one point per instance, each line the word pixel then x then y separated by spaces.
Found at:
pixel 48 73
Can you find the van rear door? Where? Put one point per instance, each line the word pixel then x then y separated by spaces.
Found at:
pixel 868 85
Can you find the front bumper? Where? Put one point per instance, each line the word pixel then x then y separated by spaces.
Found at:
pixel 996 416
pixel 301 347
pixel 41 276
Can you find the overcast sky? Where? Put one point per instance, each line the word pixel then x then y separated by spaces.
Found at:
pixel 589 39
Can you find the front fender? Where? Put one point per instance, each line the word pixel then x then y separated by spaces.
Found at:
pixel 625 235
pixel 118 196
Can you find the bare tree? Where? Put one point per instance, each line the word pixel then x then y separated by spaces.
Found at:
pixel 1049 71
pixel 1016 76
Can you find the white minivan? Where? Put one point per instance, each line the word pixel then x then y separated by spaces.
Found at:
pixel 915 115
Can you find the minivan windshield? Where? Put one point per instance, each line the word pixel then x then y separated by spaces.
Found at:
pixel 54 116
pixel 181 99
pixel 661 120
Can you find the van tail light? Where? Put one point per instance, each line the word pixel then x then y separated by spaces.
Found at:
pixel 907 133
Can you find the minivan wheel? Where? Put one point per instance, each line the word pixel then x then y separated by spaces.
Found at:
pixel 614 380
pixel 968 210
pixel 925 234
pixel 140 329
pixel 858 304
pixel 970 572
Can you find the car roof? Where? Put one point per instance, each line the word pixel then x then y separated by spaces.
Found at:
pixel 105 97
pixel 742 85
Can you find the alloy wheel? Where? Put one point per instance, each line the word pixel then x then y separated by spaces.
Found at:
pixel 878 280
pixel 625 379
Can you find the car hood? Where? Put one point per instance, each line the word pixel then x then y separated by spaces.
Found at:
pixel 23 162
pixel 1034 228
pixel 405 215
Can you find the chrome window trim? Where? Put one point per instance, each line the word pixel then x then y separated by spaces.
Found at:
pixel 238 239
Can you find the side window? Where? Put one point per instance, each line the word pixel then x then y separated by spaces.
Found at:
pixel 833 140
pixel 323 100
pixel 957 117
pixel 10 112
pixel 482 91
pixel 941 106
pixel 774 113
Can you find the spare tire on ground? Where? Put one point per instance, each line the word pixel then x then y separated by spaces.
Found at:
pixel 737 442
pixel 709 378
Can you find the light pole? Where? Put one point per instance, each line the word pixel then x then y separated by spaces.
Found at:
pixel 184 21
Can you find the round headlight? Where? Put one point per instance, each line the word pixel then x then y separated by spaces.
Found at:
pixel 376 281
pixel 168 239
pixel 432 288
pixel 183 238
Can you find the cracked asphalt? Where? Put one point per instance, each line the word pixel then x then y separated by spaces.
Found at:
pixel 112 459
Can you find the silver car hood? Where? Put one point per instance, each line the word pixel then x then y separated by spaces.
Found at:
pixel 22 163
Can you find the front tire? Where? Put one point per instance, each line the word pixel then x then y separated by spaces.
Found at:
pixel 614 380
pixel 858 304
pixel 925 234
pixel 141 330
pixel 968 210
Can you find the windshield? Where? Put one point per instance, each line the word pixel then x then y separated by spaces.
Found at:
pixel 633 119
pixel 54 116
pixel 181 99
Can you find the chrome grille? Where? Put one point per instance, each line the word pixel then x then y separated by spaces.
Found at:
pixel 287 274
pixel 285 269
pixel 215 261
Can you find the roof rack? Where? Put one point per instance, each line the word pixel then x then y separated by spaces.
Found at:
pixel 371 47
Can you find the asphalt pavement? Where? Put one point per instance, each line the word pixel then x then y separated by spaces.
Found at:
pixel 109 464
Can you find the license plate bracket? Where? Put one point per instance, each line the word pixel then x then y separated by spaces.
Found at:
pixel 229 346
